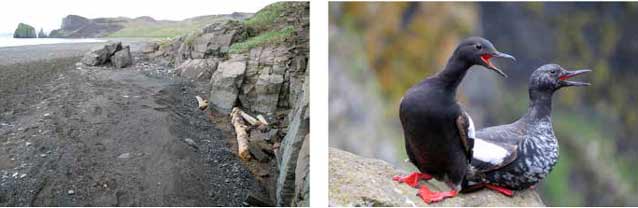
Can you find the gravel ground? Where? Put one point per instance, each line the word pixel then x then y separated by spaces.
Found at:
pixel 91 136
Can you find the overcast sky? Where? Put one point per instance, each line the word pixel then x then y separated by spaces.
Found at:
pixel 48 14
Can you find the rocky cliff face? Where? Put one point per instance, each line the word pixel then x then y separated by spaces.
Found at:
pixel 24 31
pixel 359 181
pixel 74 22
pixel 74 26
pixel 267 75
pixel 260 65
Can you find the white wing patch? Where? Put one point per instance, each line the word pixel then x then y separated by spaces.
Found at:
pixel 470 131
pixel 488 152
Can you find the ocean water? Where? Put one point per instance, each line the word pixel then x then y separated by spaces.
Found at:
pixel 9 41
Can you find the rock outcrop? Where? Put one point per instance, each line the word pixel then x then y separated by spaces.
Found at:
pixel 74 26
pixel 302 175
pixel 24 31
pixel 122 58
pixel 291 146
pixel 358 181
pixel 111 52
pixel 41 34
pixel 265 77
pixel 197 69
pixel 101 54
pixel 274 71
pixel 74 22
pixel 268 78
pixel 225 83
pixel 213 41
pixel 150 48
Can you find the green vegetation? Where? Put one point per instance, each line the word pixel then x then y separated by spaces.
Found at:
pixel 152 31
pixel 557 184
pixel 164 29
pixel 191 37
pixel 165 42
pixel 271 37
pixel 264 28
pixel 266 17
pixel 535 7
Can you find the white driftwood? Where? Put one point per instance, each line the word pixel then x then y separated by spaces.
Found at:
pixel 203 104
pixel 262 119
pixel 242 135
pixel 250 119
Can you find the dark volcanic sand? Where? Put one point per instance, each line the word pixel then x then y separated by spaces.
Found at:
pixel 109 137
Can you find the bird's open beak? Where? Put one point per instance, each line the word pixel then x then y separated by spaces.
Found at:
pixel 563 79
pixel 486 59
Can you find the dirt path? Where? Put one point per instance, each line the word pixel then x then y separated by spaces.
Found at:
pixel 105 137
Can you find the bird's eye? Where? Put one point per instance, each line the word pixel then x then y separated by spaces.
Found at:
pixel 478 46
pixel 553 72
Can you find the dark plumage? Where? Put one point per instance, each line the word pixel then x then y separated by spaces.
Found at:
pixel 519 155
pixel 436 129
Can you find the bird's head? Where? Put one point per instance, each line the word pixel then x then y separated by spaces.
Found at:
pixel 551 77
pixel 479 51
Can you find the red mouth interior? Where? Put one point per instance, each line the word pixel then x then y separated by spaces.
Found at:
pixel 486 58
pixel 565 77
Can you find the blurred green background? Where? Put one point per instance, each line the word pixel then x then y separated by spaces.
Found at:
pixel 379 50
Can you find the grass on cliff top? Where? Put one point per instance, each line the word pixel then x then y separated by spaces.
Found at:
pixel 266 17
pixel 164 29
pixel 152 31
pixel 264 23
pixel 271 37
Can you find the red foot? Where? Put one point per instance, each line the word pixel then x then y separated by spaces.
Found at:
pixel 428 196
pixel 502 190
pixel 412 179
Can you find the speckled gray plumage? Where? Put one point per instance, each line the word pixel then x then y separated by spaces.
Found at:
pixel 530 141
pixel 536 155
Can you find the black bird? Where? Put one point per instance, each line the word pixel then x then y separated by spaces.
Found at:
pixel 517 156
pixel 435 128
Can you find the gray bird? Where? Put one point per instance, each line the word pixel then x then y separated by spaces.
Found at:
pixel 517 156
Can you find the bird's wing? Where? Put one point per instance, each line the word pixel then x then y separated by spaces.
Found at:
pixel 496 147
pixel 407 133
pixel 465 125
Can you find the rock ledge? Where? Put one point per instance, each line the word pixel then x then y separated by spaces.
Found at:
pixel 359 181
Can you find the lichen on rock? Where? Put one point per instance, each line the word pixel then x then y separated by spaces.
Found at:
pixel 359 181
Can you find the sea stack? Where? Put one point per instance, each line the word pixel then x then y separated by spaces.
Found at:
pixel 24 31
pixel 41 34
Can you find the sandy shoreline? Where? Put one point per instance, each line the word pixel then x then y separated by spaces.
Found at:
pixel 111 137
pixel 24 66
pixel 22 54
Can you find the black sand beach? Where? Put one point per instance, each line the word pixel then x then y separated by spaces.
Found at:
pixel 72 135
